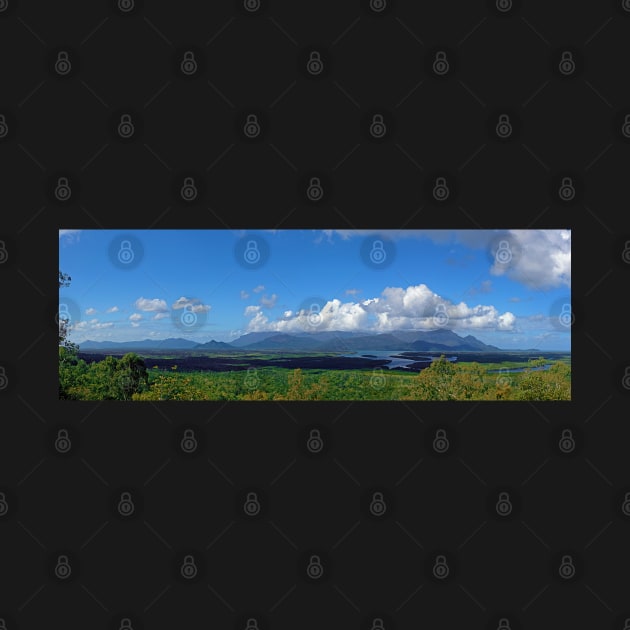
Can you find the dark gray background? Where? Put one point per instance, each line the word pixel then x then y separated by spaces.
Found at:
pixel 191 126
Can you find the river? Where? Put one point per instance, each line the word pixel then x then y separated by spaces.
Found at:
pixel 395 361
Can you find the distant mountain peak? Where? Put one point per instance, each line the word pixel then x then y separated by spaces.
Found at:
pixel 438 340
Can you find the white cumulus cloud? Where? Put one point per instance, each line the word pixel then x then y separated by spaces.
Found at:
pixel 154 305
pixel 396 308
pixel 193 304
pixel 68 237
pixel 542 258
pixel 268 301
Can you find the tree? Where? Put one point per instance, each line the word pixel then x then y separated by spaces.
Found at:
pixel 132 375
pixel 64 279
pixel 64 325
pixel 436 381
pixel 67 349
pixel 296 385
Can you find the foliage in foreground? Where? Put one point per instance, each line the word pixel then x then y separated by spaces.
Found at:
pixel 129 379
pixel 109 379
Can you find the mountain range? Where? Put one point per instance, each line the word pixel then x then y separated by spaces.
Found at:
pixel 327 341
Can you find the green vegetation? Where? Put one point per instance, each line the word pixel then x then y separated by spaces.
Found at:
pixel 127 378
pixel 110 379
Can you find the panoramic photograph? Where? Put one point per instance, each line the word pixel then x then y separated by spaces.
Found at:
pixel 294 315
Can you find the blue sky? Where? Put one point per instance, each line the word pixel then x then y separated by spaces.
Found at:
pixel 506 287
